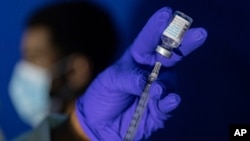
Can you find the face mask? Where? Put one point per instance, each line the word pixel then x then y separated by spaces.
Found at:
pixel 29 91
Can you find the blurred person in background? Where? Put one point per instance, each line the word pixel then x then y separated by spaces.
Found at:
pixel 61 54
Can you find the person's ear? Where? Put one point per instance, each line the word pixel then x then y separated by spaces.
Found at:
pixel 79 74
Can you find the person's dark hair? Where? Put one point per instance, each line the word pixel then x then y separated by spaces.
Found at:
pixel 79 27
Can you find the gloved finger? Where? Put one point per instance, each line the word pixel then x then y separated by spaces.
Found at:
pixel 123 80
pixel 156 90
pixel 192 40
pixel 139 80
pixel 169 103
pixel 143 48
pixel 133 82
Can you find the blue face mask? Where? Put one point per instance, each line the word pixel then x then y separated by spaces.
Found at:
pixel 29 91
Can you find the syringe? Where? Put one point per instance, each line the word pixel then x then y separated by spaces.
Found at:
pixel 171 38
pixel 142 103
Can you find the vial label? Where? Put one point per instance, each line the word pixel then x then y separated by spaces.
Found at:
pixel 176 28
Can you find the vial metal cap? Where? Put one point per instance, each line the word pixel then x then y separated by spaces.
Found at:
pixel 163 51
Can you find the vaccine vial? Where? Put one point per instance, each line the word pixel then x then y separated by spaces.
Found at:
pixel 172 36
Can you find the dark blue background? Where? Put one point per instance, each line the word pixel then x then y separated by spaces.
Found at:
pixel 213 81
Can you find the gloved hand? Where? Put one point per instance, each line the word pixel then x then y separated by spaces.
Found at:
pixel 107 107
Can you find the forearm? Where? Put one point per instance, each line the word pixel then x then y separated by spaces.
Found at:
pixel 69 130
pixel 77 127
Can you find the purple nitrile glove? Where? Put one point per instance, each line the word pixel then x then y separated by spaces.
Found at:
pixel 107 107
